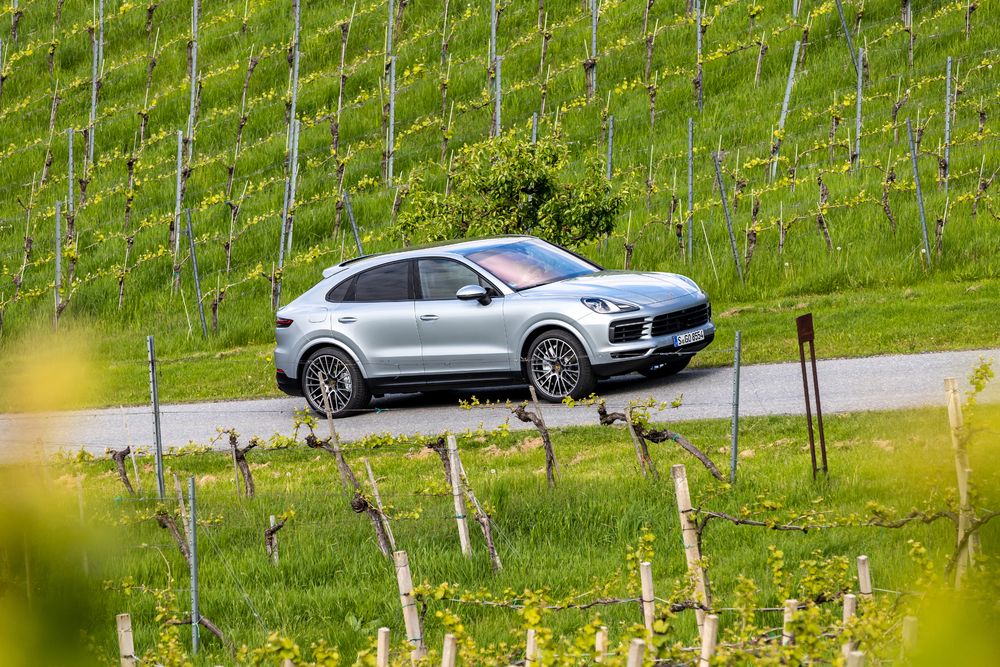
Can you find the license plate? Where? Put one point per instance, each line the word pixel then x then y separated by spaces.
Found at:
pixel 689 337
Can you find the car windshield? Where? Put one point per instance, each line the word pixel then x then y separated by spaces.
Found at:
pixel 529 263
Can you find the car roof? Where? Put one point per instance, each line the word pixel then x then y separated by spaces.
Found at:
pixel 446 247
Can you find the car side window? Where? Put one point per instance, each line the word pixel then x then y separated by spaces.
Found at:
pixel 341 292
pixel 442 278
pixel 390 282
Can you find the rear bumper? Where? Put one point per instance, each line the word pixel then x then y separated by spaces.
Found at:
pixel 288 385
pixel 632 364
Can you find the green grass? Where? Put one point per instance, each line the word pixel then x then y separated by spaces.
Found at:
pixel 867 260
pixel 332 583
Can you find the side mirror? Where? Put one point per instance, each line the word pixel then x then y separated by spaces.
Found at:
pixel 474 293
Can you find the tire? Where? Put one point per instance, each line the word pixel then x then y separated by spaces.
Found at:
pixel 667 367
pixel 349 392
pixel 558 366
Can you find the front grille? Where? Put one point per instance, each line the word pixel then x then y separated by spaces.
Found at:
pixel 626 331
pixel 681 320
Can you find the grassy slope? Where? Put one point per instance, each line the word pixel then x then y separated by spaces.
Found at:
pixel 564 539
pixel 869 268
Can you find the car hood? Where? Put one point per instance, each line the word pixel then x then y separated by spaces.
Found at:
pixel 641 288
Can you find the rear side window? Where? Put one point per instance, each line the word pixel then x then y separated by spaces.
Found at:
pixel 341 292
pixel 390 282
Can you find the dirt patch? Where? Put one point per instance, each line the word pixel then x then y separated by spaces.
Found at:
pixel 207 479
pixel 419 454
pixel 734 311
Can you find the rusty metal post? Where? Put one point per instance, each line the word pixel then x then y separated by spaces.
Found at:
pixel 806 334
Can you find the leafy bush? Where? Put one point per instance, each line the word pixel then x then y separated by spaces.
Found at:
pixel 506 185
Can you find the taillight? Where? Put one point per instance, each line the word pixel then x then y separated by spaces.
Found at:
pixel 283 322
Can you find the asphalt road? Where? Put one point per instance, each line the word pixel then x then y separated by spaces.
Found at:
pixel 847 385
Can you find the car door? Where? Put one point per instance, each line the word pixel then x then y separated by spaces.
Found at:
pixel 458 337
pixel 377 317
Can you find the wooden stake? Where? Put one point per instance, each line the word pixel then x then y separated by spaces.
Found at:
pixel 787 637
pixel 708 642
pixel 856 659
pixel 850 608
pixel 956 422
pixel 484 519
pixel 126 643
pixel 274 541
pixel 648 596
pixel 411 618
pixel 530 648
pixel 636 651
pixel 601 644
pixel 456 494
pixel 692 550
pixel 382 650
pixel 449 651
pixel 864 577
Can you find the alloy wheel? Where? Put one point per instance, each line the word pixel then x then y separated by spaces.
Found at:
pixel 328 368
pixel 555 367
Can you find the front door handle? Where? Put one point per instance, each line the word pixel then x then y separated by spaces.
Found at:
pixel 428 318
pixel 347 319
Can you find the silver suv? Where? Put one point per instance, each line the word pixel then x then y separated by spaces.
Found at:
pixel 496 311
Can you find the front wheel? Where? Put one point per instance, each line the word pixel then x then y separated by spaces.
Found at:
pixel 558 367
pixel 347 391
pixel 667 366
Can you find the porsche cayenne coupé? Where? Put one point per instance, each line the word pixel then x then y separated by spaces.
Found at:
pixel 495 311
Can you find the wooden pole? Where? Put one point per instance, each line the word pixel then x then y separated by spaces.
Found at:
pixel 601 644
pixel 855 659
pixel 530 648
pixel 710 639
pixel 648 596
pixel 787 636
pixel 154 397
pixel 864 577
pixel 411 618
pixel 850 609
pixel 456 493
pixel 193 550
pixel 636 652
pixel 449 651
pixel 382 650
pixel 126 642
pixel 692 551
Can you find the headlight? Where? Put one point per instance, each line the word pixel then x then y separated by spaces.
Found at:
pixel 608 306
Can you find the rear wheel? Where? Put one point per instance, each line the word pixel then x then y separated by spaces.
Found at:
pixel 558 366
pixel 667 366
pixel 348 391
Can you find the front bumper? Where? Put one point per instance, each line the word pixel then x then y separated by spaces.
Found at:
pixel 631 364
pixel 646 341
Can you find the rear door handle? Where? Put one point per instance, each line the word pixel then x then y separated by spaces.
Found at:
pixel 428 318
pixel 347 319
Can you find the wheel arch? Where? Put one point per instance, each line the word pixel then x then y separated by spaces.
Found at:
pixel 540 329
pixel 326 342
